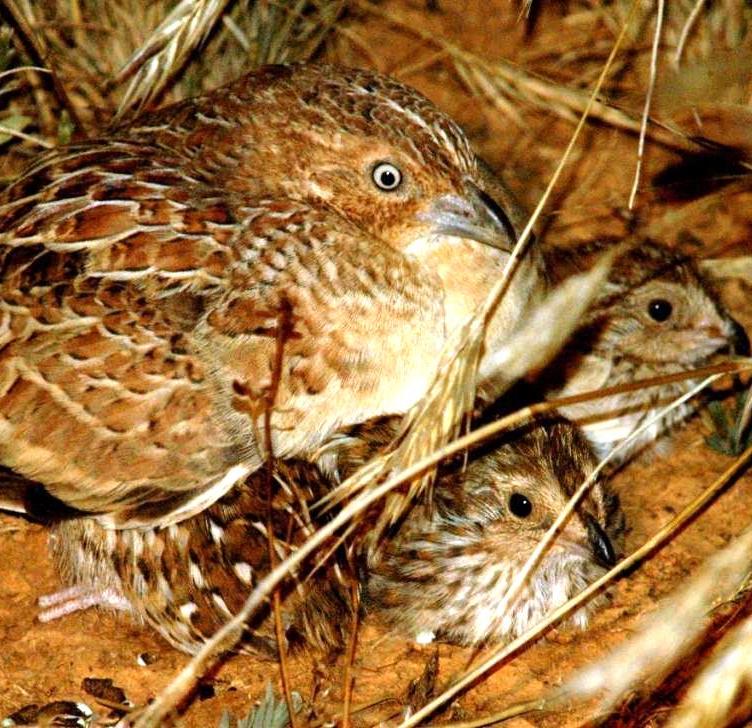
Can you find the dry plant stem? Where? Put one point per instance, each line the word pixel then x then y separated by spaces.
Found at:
pixel 688 25
pixel 740 267
pixel 350 659
pixel 657 540
pixel 19 69
pixel 648 101
pixel 421 64
pixel 722 689
pixel 359 708
pixel 283 328
pixel 25 137
pixel 284 671
pixel 516 710
pixel 38 52
pixel 745 418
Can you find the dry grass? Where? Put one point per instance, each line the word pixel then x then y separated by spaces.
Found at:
pixel 72 67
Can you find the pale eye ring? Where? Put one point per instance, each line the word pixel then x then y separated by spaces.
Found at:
pixel 386 176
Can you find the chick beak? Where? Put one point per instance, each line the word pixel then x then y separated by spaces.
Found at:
pixel 600 544
pixel 474 215
pixel 738 339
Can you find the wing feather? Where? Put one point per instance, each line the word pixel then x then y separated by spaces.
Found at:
pixel 140 320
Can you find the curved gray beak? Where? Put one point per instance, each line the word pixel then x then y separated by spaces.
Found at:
pixel 474 215
pixel 600 543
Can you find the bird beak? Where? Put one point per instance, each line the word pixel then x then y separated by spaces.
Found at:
pixel 738 339
pixel 474 215
pixel 600 543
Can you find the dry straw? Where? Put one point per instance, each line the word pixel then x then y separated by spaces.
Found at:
pixel 278 32
pixel 722 693
pixel 167 49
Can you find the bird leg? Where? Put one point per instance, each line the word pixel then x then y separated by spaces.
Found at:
pixel 78 598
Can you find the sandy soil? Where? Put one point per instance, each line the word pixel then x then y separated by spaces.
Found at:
pixel 46 662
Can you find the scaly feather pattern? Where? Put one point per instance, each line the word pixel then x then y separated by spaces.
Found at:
pixel 150 276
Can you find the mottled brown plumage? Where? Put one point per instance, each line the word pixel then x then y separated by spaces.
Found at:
pixel 657 315
pixel 443 569
pixel 187 579
pixel 149 278
pixel 446 569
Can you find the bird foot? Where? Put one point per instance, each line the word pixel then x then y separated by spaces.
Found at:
pixel 78 598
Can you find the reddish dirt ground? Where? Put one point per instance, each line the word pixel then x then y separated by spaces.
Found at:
pixel 46 662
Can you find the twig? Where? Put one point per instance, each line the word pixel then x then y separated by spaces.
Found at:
pixel 26 137
pixel 19 69
pixel 284 329
pixel 518 709
pixel 350 659
pixel 696 10
pixel 648 101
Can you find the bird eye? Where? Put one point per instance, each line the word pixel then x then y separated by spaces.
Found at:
pixel 660 309
pixel 520 505
pixel 386 176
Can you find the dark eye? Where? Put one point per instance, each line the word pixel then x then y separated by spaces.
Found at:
pixel 519 505
pixel 660 309
pixel 386 176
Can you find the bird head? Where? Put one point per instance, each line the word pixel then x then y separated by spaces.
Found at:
pixel 520 486
pixel 489 517
pixel 382 156
pixel 659 309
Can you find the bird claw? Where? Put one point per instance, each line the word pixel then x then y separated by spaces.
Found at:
pixel 77 598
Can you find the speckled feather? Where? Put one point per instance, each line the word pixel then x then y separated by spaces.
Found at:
pixel 187 579
pixel 447 567
pixel 442 569
pixel 147 275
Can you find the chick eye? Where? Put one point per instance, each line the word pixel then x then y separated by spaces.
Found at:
pixel 386 176
pixel 520 505
pixel 660 309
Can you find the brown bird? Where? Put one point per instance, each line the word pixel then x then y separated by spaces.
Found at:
pixel 442 570
pixel 300 241
pixel 447 568
pixel 657 315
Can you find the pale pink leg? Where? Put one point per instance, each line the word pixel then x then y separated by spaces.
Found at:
pixel 78 598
